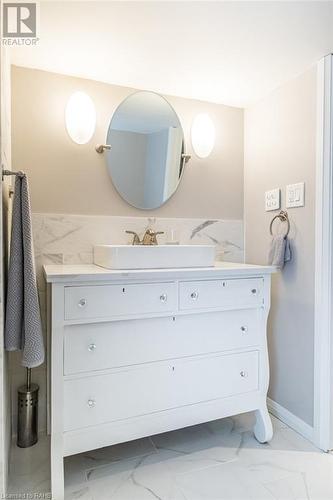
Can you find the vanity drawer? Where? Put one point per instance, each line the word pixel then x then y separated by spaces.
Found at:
pixel 106 301
pixel 98 346
pixel 219 294
pixel 157 387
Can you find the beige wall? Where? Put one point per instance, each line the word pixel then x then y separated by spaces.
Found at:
pixel 280 135
pixel 68 178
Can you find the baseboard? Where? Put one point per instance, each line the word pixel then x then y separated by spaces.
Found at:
pixel 296 423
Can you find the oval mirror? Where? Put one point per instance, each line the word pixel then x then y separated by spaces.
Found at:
pixel 146 158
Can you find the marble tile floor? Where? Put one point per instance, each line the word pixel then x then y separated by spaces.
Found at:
pixel 220 460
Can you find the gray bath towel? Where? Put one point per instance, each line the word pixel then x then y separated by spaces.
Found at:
pixel 280 251
pixel 23 328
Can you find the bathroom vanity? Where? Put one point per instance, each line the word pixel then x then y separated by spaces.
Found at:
pixel 140 352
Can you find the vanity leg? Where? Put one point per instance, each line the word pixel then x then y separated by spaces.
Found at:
pixel 263 429
pixel 57 472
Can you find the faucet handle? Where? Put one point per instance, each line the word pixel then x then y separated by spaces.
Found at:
pixel 136 238
pixel 153 235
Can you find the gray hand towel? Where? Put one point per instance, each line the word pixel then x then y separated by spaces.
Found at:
pixel 23 328
pixel 280 251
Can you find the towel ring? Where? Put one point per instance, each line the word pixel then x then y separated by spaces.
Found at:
pixel 283 216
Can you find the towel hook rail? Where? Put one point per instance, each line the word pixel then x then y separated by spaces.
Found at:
pixel 283 217
pixel 11 172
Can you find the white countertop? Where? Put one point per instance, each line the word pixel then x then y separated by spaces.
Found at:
pixel 91 272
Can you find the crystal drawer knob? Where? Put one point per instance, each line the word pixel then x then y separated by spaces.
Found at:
pixel 243 374
pixel 194 295
pixel 91 403
pixel 163 297
pixel 243 329
pixel 91 347
pixel 82 302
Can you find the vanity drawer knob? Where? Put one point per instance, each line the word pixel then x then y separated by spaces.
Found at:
pixel 194 295
pixel 82 302
pixel 254 291
pixel 163 297
pixel 91 347
pixel 243 374
pixel 243 329
pixel 91 403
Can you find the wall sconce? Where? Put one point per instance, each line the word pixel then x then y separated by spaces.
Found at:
pixel 80 117
pixel 203 135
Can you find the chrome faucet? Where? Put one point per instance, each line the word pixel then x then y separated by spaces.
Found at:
pixel 149 238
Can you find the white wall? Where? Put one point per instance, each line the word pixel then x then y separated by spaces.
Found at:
pixel 5 156
pixel 157 142
pixel 128 163
pixel 280 149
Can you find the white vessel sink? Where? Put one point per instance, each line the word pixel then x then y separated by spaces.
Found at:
pixel 153 257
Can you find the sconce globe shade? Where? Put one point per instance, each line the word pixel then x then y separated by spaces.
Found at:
pixel 80 117
pixel 203 135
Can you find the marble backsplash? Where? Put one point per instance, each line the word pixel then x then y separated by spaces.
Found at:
pixel 69 239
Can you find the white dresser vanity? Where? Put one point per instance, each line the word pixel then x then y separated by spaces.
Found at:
pixel 136 353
